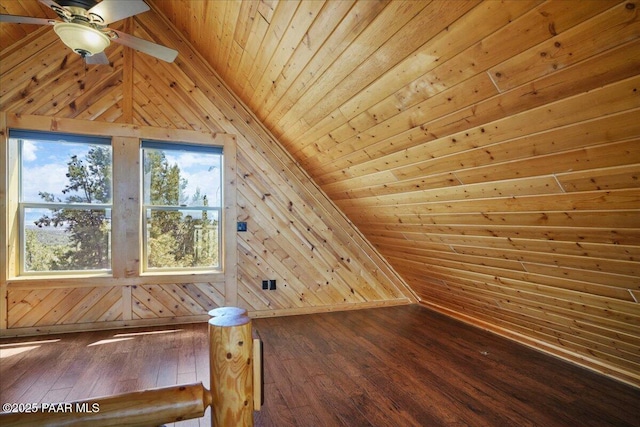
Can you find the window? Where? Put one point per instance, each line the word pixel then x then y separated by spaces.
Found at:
pixel 182 201
pixel 64 202
pixel 116 208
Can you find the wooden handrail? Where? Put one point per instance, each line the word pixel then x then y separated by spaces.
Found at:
pixel 140 408
pixel 232 365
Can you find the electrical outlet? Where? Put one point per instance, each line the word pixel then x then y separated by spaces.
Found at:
pixel 272 284
pixel 265 284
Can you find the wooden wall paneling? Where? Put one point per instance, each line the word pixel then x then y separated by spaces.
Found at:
pixel 489 51
pixel 58 306
pixel 146 306
pixel 72 104
pixel 175 300
pixel 545 283
pixel 264 80
pixel 207 293
pixel 587 200
pixel 10 33
pixel 173 304
pixel 114 114
pixel 230 215
pixel 24 8
pixel 278 27
pixel 329 258
pixel 222 13
pixel 385 124
pixel 180 114
pixel 36 9
pixel 21 307
pixel 257 33
pixel 243 26
pixel 100 305
pixel 418 155
pixel 600 234
pixel 318 33
pixel 605 155
pixel 178 85
pixel 588 249
pixel 248 294
pixel 424 142
pixel 126 216
pixel 26 55
pixel 402 86
pixel 422 27
pixel 127 76
pixel 545 334
pixel 169 84
pixel 501 276
pixel 523 156
pixel 513 188
pixel 275 255
pixel 584 76
pixel 200 11
pixel 619 307
pixel 146 112
pixel 251 135
pixel 290 256
pixel 51 308
pixel 293 292
pixel 387 23
pixel 610 278
pixel 625 176
pixel 578 227
pixel 6 255
pixel 626 268
pixel 614 26
pixel 158 95
pixel 556 323
pixel 62 97
pixel 27 79
pixel 554 313
pixel 409 257
pixel 108 108
pixel 348 29
pixel 408 82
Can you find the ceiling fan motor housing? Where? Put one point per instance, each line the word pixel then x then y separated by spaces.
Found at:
pixel 84 4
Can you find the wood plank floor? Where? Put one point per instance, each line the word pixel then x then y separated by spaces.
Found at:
pixel 395 366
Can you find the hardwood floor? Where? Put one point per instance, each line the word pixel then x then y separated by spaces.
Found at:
pixel 395 366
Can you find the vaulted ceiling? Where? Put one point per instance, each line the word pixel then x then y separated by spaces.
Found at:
pixel 490 150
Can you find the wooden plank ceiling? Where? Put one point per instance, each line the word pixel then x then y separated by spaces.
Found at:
pixel 490 150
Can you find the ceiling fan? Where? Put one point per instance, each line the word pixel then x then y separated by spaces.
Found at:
pixel 83 27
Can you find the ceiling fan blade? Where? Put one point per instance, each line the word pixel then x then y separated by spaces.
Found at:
pixel 52 4
pixel 16 19
pixel 153 49
pixel 98 59
pixel 115 10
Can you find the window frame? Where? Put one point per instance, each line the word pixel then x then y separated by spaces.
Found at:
pixel 19 136
pixel 126 213
pixel 180 147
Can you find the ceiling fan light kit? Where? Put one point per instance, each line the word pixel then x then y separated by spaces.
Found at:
pixel 83 40
pixel 83 27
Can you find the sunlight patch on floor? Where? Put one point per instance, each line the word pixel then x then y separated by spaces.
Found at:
pixel 11 349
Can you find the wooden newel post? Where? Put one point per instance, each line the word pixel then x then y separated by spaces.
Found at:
pixel 231 366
